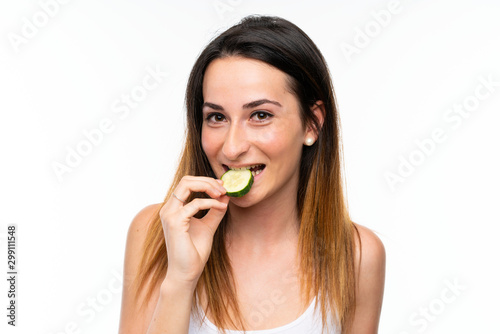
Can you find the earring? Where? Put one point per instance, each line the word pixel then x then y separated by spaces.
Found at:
pixel 309 141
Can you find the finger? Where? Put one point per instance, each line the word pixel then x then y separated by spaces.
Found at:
pixel 215 215
pixel 198 204
pixel 216 182
pixel 189 184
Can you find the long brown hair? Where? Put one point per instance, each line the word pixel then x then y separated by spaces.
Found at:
pixel 326 236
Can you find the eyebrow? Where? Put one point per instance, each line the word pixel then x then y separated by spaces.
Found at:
pixel 249 105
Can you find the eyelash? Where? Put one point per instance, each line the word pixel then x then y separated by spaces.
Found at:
pixel 268 115
pixel 212 115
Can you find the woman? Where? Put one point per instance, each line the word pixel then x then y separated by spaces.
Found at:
pixel 283 258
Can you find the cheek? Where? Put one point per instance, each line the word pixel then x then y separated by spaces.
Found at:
pixel 279 139
pixel 266 137
pixel 212 141
pixel 208 144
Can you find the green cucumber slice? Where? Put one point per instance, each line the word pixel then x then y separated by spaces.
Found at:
pixel 237 182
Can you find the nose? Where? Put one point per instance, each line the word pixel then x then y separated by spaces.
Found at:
pixel 236 143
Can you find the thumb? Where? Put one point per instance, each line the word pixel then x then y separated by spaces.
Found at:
pixel 215 215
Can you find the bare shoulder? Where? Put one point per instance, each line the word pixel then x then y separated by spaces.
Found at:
pixel 139 226
pixel 132 319
pixel 370 271
pixel 372 249
pixel 137 233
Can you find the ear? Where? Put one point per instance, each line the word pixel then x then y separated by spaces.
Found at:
pixel 311 134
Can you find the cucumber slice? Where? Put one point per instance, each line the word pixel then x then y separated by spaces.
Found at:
pixel 237 182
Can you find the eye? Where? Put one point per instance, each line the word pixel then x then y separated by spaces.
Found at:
pixel 261 116
pixel 215 118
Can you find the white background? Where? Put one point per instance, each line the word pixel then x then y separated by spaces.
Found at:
pixel 438 223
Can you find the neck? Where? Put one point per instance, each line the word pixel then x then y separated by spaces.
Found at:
pixel 264 228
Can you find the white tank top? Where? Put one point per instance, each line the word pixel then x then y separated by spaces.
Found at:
pixel 308 323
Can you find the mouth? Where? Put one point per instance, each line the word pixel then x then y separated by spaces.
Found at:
pixel 255 169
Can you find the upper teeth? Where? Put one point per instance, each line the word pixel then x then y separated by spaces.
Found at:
pixel 243 168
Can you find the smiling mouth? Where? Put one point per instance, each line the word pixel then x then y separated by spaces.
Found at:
pixel 255 169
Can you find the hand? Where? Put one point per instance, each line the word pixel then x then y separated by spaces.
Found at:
pixel 188 239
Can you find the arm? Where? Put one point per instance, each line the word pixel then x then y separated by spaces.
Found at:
pixel 370 282
pixel 159 312
pixel 132 319
pixel 171 317
pixel 188 242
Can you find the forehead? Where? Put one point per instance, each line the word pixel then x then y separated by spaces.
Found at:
pixel 243 78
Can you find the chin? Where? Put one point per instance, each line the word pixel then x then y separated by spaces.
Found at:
pixel 245 201
pixel 242 202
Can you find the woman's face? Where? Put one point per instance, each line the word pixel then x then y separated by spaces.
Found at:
pixel 251 119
